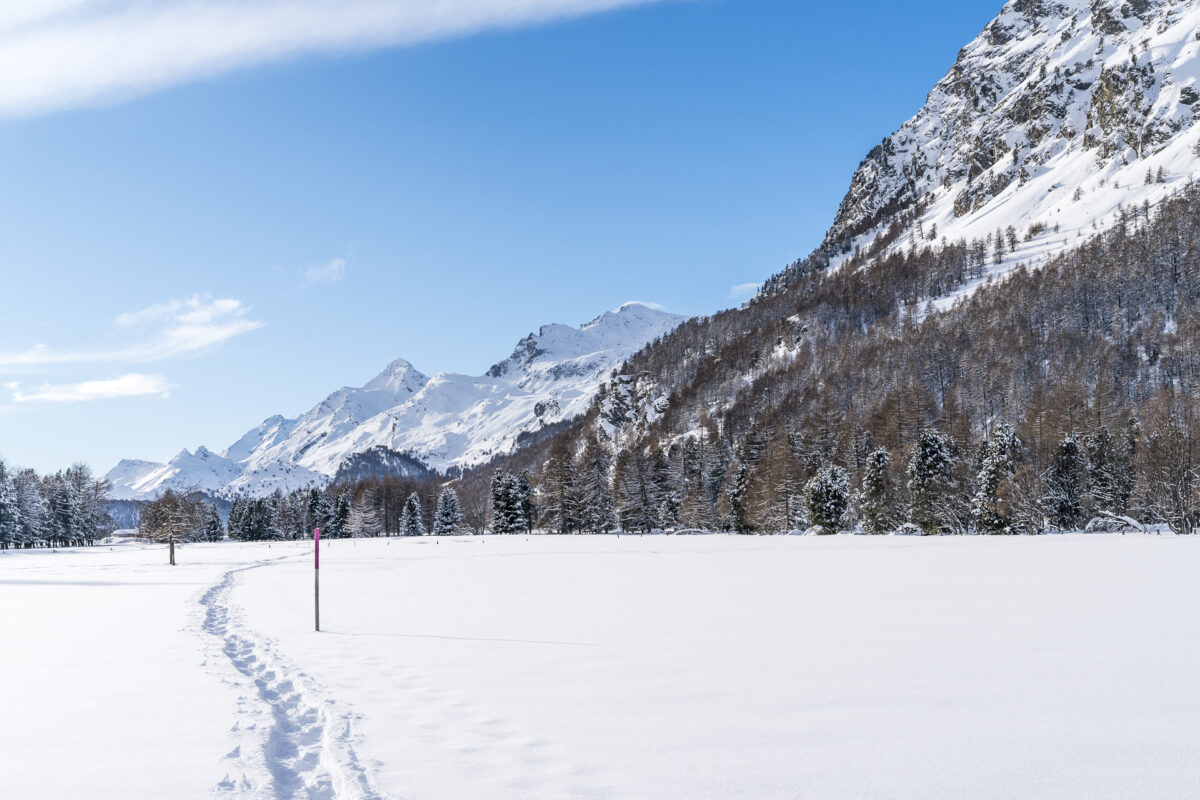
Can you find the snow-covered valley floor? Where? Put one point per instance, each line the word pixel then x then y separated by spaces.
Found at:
pixel 656 667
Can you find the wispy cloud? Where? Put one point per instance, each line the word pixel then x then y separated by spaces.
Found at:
pixel 627 303
pixel 131 385
pixel 332 272
pixel 65 53
pixel 743 290
pixel 167 330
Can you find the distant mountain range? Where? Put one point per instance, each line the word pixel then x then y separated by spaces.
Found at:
pixel 403 422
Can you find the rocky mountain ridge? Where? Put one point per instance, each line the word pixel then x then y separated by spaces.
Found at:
pixel 404 420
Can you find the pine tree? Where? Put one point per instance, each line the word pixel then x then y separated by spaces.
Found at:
pixel 411 519
pixel 508 515
pixel 32 504
pixel 10 510
pixel 827 497
pixel 666 495
pixel 1065 483
pixel 214 530
pixel 931 484
pixel 339 517
pixel 524 499
pixel 877 498
pixel 447 519
pixel 717 457
pixel 990 509
pixel 559 492
pixel 317 513
pixel 596 509
pixel 739 500
pixel 286 519
pixel 633 491
pixel 1124 471
pixel 237 519
pixel 1099 451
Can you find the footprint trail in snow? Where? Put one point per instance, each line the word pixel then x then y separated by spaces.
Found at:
pixel 293 743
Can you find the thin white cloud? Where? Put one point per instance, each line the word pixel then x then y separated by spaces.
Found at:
pixel 168 330
pixel 744 290
pixel 57 54
pixel 627 303
pixel 332 272
pixel 131 385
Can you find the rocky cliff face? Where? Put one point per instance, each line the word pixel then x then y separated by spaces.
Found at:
pixel 1052 95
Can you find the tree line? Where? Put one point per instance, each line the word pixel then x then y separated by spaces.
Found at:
pixel 1091 361
pixel 1096 478
pixel 343 511
pixel 59 510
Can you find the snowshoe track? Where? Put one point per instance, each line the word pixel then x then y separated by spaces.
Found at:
pixel 292 742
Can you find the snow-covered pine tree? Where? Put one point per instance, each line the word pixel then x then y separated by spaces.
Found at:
pixel 1125 471
pixel 595 494
pixel 33 508
pixel 524 499
pixel 316 514
pixel 447 519
pixel 236 521
pixel 507 516
pixel 10 510
pixel 633 492
pixel 62 519
pixel 998 457
pixel 877 498
pixel 560 496
pixel 256 524
pixel 286 517
pixel 1101 465
pixel 754 444
pixel 412 522
pixel 931 483
pixel 214 530
pixel 717 457
pixel 826 497
pixel 1065 485
pixel 666 492
pixel 339 516
pixel 92 520
pixel 739 500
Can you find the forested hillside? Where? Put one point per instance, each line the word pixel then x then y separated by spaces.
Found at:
pixel 1058 396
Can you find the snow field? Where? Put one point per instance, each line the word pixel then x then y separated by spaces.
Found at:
pixel 655 667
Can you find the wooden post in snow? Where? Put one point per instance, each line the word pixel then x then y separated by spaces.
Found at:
pixel 317 578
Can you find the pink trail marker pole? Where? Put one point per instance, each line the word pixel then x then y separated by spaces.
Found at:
pixel 317 578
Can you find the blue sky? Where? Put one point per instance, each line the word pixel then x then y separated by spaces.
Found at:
pixel 199 235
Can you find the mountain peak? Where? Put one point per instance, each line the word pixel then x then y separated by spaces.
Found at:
pixel 451 420
pixel 397 377
pixel 1046 125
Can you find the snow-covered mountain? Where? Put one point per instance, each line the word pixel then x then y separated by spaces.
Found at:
pixel 448 420
pixel 1058 114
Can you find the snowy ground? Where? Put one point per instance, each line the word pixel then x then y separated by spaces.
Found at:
pixel 657 667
